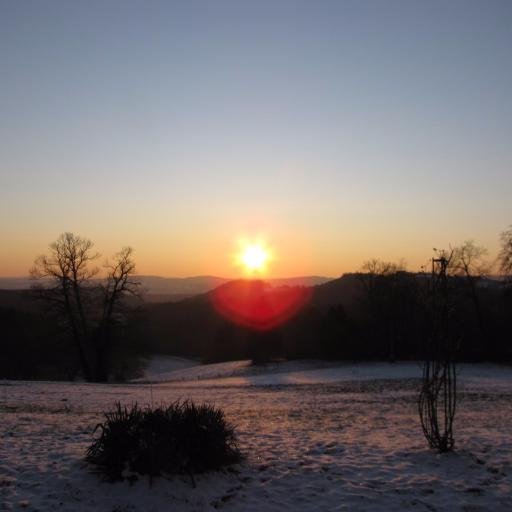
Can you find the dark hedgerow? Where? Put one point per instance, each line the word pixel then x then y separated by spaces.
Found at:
pixel 180 438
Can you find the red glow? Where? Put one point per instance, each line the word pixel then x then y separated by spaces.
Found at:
pixel 256 304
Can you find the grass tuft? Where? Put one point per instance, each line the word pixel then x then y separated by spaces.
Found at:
pixel 180 438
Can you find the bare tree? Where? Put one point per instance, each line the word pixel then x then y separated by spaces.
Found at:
pixel 376 267
pixel 117 285
pixel 468 261
pixel 437 399
pixel 65 270
pixel 505 254
pixel 87 304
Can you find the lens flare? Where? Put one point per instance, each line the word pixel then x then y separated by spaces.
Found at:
pixel 256 304
pixel 251 301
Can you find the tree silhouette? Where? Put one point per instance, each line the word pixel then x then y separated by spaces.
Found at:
pixel 467 260
pixel 505 255
pixel 87 305
pixel 382 285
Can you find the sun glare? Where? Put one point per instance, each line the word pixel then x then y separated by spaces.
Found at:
pixel 254 257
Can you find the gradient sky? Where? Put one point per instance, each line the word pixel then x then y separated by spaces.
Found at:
pixel 336 131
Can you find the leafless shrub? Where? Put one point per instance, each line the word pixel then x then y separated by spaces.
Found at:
pixel 437 399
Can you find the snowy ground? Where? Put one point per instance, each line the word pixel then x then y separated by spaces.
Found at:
pixel 315 436
pixel 158 367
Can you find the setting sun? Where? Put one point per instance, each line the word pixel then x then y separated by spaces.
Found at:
pixel 254 257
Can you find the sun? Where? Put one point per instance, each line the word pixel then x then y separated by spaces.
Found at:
pixel 254 257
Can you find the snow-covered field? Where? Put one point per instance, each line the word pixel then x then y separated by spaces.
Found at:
pixel 158 367
pixel 316 437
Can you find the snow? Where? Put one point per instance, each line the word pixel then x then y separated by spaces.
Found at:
pixel 315 437
pixel 157 367
pixel 243 373
pixel 194 371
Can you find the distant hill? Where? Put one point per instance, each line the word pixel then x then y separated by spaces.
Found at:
pixel 173 289
pixel 15 283
pixel 345 290
pixel 191 326
pixel 185 286
pixel 182 287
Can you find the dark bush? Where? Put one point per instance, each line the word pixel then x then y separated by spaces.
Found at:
pixel 180 438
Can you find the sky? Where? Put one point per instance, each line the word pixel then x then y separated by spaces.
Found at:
pixel 334 132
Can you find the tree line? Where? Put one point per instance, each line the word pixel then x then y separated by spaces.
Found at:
pixel 85 320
